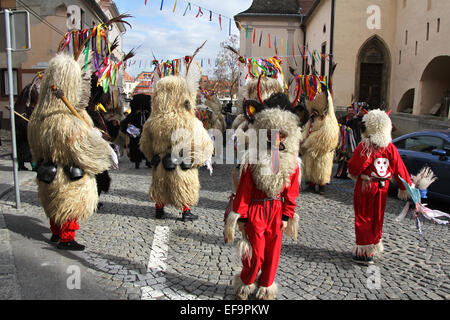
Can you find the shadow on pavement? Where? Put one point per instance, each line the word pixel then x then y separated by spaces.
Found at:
pixel 320 255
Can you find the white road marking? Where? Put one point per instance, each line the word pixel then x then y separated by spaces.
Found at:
pixel 157 268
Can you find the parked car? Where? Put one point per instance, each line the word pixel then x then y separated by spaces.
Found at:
pixel 428 148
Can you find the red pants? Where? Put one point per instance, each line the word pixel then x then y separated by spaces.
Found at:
pixel 161 206
pixel 265 235
pixel 67 231
pixel 369 205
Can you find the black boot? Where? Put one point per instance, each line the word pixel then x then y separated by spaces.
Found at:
pixel 160 213
pixel 188 216
pixel 54 238
pixel 311 187
pixel 363 260
pixel 322 190
pixel 72 245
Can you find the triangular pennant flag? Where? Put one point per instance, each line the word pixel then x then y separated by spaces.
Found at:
pixel 174 6
pixel 187 7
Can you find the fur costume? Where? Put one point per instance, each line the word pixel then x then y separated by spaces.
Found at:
pixel 57 136
pixel 374 162
pixel 217 119
pixel 267 194
pixel 173 123
pixel 320 139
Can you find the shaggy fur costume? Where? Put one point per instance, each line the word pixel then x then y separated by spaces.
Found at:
pixel 173 104
pixel 375 161
pixel 320 139
pixel 56 135
pixel 217 119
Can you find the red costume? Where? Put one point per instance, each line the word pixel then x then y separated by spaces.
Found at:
pixel 264 216
pixel 374 162
pixel 370 203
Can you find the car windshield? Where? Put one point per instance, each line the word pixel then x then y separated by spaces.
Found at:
pixel 423 143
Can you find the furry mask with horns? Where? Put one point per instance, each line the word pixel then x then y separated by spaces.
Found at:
pixel 276 115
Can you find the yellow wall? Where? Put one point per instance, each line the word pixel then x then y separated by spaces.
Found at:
pixel 351 33
pixel 407 75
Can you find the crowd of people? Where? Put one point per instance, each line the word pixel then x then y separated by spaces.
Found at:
pixel 73 143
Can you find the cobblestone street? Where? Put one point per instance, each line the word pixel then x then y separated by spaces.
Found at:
pixel 131 255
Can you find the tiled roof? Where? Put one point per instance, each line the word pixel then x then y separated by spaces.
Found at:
pixel 127 77
pixel 279 7
pixel 143 84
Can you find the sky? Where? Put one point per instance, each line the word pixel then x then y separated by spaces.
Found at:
pixel 172 35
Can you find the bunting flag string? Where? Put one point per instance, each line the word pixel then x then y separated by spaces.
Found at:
pixel 315 55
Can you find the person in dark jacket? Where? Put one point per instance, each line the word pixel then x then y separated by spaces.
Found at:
pixel 26 101
pixel 99 97
pixel 132 126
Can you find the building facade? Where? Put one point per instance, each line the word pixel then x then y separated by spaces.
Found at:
pixel 392 53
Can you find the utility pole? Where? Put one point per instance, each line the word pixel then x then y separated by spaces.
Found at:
pixel 11 104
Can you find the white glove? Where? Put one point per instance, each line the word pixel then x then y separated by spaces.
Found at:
pixel 114 159
pixel 208 164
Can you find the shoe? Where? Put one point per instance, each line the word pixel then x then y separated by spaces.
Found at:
pixel 72 245
pixel 160 213
pixel 363 260
pixel 137 165
pixel 242 296
pixel 54 238
pixel 310 187
pixel 188 216
pixel 23 169
pixel 322 190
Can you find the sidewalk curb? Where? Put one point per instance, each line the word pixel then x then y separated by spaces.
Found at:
pixel 9 285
